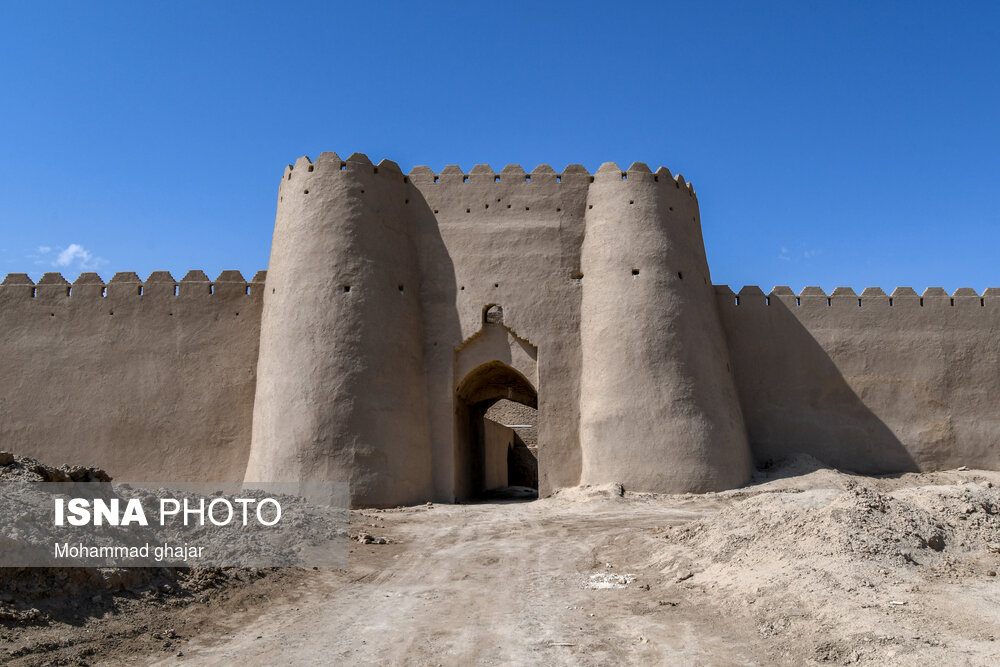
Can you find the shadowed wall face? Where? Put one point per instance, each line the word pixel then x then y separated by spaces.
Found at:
pixel 870 383
pixel 152 381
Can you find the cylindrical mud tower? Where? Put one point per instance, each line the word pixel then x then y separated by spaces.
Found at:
pixel 340 381
pixel 658 405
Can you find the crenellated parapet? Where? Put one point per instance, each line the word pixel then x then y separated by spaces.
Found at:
pixel 159 288
pixel 933 298
pixel 481 193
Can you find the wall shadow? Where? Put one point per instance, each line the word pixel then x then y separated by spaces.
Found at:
pixel 794 397
pixel 442 332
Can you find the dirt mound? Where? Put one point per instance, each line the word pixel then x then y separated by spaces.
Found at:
pixel 24 469
pixel 910 526
pixel 67 594
pixel 802 553
pixel 73 594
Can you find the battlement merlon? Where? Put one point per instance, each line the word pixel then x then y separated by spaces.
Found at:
pixel 128 285
pixel 454 193
pixel 543 174
pixel 752 295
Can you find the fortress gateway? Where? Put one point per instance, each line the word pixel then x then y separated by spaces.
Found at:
pixel 397 309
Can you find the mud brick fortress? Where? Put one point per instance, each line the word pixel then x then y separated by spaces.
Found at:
pixel 398 308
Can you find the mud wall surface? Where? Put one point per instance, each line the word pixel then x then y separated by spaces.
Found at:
pixel 342 394
pixel 521 418
pixel 510 238
pixel 656 384
pixel 152 381
pixel 872 383
pixel 497 442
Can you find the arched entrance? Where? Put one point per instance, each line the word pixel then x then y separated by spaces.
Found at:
pixel 490 455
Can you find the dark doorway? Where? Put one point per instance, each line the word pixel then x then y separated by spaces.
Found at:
pixel 496 410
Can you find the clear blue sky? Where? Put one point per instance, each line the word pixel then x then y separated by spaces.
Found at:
pixel 834 143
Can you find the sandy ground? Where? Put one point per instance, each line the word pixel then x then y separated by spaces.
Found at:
pixel 807 566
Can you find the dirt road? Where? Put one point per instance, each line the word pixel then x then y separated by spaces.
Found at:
pixel 499 583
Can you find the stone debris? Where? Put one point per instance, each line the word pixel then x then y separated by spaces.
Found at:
pixel 607 580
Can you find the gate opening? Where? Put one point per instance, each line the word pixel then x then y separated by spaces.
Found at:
pixel 496 455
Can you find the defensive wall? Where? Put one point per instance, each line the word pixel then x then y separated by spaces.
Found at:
pixel 874 383
pixel 398 308
pixel 152 380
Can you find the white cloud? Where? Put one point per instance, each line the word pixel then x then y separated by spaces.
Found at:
pixel 73 252
pixel 44 249
pixel 76 254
